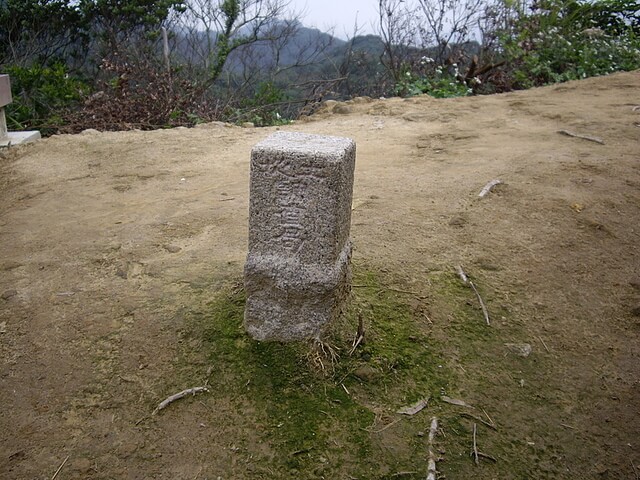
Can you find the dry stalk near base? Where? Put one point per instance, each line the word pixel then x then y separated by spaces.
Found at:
pixel 465 279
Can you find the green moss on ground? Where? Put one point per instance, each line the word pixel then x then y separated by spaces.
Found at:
pixel 318 414
pixel 324 413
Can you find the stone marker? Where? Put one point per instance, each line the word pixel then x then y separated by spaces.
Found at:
pixel 298 276
pixel 6 137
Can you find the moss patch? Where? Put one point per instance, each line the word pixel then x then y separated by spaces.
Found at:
pixel 315 414
pixel 323 413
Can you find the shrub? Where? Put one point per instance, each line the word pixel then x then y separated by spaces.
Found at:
pixel 567 40
pixel 263 108
pixel 139 95
pixel 41 95
pixel 438 82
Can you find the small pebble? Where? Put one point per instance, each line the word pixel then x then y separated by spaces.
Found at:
pixel 7 294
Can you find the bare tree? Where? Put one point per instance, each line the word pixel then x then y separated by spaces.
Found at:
pixel 214 29
pixel 422 36
pixel 449 24
pixel 399 30
pixel 252 56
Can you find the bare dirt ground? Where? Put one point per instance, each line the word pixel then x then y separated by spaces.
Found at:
pixel 109 240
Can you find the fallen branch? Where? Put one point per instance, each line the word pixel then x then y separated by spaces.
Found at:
pixel 487 188
pixel 488 457
pixel 60 468
pixel 478 419
pixel 477 455
pixel 466 280
pixel 431 466
pixel 475 445
pixel 301 451
pixel 462 275
pixel 583 137
pixel 485 312
pixel 177 396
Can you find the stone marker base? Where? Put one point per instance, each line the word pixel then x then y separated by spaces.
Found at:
pixel 289 301
pixel 16 138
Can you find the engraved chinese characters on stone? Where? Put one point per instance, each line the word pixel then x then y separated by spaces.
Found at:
pixel 297 270
pixel 290 201
pixel 293 182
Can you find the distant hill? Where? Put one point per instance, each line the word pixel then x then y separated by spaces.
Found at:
pixel 301 56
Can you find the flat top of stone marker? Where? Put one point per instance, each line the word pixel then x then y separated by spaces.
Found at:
pixel 305 143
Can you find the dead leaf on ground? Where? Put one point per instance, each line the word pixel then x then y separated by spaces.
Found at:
pixel 414 407
pixel 455 401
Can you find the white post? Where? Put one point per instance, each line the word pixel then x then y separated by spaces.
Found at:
pixel 11 138
pixel 3 125
pixel 5 99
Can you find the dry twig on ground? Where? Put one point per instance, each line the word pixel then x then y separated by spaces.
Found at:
pixel 477 454
pixel 432 472
pixel 478 419
pixel 455 401
pixel 177 396
pixel 359 338
pixel 60 468
pixel 583 137
pixel 380 430
pixel 543 344
pixel 465 279
pixel 487 188
pixel 475 445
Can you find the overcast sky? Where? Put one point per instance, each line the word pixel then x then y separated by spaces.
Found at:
pixel 338 14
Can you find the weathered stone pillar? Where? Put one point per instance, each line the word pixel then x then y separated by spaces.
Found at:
pixel 297 275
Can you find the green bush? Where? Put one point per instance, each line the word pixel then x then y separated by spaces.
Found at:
pixel 568 40
pixel 263 109
pixel 438 83
pixel 40 96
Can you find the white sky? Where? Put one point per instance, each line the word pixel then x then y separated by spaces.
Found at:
pixel 338 14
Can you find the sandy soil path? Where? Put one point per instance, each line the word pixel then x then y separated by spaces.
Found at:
pixel 108 239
